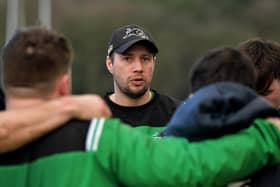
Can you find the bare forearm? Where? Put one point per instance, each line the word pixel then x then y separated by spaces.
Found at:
pixel 19 127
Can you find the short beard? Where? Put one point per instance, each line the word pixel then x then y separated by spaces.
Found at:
pixel 132 95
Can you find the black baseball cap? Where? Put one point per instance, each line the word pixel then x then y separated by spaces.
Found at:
pixel 126 36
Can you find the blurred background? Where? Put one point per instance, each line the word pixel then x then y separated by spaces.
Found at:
pixel 182 29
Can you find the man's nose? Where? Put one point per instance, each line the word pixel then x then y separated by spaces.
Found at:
pixel 137 65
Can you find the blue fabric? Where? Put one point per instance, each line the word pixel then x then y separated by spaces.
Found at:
pixel 216 110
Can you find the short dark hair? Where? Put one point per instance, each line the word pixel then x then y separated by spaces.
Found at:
pixel 222 64
pixel 265 55
pixel 34 58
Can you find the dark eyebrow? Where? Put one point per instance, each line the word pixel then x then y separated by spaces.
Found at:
pixel 126 54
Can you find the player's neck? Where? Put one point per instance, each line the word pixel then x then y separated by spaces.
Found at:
pixel 124 100
pixel 19 103
pixel 22 97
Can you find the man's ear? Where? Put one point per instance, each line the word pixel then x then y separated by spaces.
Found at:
pixel 64 85
pixel 109 64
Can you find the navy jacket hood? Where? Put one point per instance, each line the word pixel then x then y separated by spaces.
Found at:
pixel 216 110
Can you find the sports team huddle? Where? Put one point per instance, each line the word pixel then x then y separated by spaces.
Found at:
pixel 225 133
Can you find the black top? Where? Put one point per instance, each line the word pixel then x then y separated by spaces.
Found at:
pixel 266 177
pixel 69 137
pixel 156 112
pixel 2 100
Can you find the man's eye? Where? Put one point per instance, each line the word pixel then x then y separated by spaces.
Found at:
pixel 265 92
pixel 127 58
pixel 147 58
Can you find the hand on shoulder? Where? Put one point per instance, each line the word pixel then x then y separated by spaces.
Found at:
pixel 275 121
pixel 88 106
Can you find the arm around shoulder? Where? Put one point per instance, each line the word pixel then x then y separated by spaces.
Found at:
pixel 21 126
pixel 140 160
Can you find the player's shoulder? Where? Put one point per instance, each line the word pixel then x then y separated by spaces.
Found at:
pixel 166 99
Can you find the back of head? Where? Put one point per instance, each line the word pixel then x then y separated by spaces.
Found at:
pixel 265 55
pixel 222 64
pixel 33 59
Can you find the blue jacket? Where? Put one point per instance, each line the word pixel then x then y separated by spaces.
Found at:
pixel 216 110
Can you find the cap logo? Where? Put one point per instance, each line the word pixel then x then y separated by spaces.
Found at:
pixel 135 32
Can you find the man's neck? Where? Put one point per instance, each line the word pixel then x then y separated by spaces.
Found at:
pixel 19 103
pixel 123 100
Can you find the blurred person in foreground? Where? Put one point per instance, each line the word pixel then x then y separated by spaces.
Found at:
pixel 21 126
pixel 224 82
pixel 265 55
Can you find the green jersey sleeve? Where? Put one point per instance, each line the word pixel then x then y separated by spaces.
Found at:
pixel 137 159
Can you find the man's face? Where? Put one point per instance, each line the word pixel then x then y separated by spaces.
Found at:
pixel 273 93
pixel 132 71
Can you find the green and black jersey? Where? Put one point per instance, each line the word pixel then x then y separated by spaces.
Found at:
pixel 105 152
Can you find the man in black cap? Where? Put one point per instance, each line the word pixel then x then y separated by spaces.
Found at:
pixel 131 60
